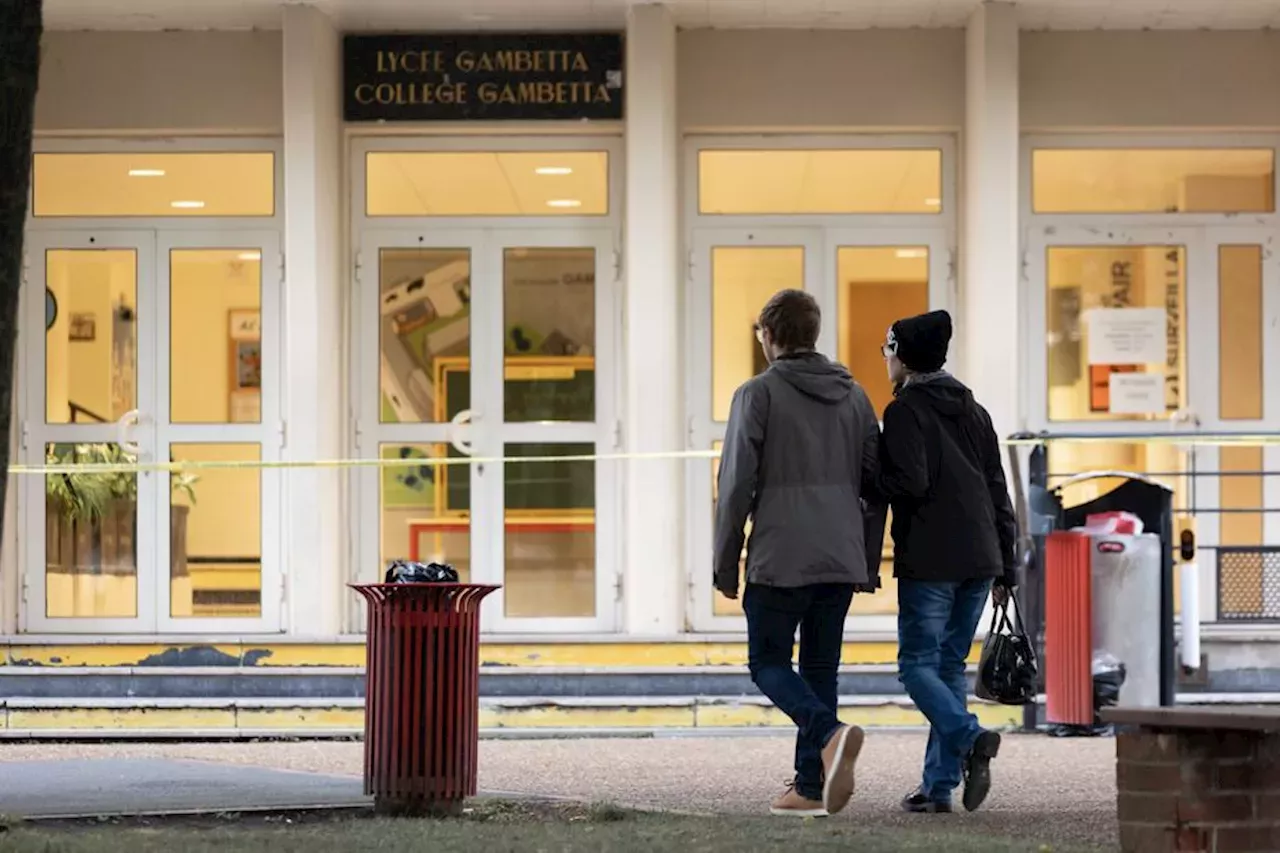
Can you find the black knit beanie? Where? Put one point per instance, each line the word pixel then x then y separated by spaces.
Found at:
pixel 922 341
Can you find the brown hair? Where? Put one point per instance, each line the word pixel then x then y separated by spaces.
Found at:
pixel 793 320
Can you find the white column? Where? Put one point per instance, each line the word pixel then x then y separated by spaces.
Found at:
pixel 990 315
pixel 653 579
pixel 314 535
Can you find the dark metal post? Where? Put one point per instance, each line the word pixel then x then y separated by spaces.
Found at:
pixel 1033 580
pixel 1168 650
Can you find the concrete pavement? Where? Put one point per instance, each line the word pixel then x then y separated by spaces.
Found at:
pixel 1060 790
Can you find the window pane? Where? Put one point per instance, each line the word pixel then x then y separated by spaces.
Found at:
pixel 213 183
pixel 487 183
pixel 1116 332
pixel 91 350
pixel 425 330
pixel 1229 180
pixel 1242 578
pixel 215 336
pixel 877 285
pixel 424 508
pixel 1240 314
pixel 215 533
pixel 549 299
pixel 91 554
pixel 838 181
pixel 743 278
pixel 550 536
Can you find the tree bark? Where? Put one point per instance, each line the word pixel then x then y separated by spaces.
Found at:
pixel 21 26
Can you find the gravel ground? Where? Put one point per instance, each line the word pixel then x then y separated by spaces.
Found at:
pixel 1059 790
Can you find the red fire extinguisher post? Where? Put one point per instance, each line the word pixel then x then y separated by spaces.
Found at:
pixel 422 695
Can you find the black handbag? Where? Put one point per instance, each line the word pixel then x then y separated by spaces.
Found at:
pixel 1007 670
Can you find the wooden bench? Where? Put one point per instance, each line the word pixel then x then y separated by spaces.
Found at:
pixel 1198 779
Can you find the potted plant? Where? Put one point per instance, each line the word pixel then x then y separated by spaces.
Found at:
pixel 92 516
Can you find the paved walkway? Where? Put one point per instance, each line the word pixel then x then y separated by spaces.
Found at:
pixel 1062 790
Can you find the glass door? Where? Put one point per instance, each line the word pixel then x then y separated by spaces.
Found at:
pixel 219 375
pixel 489 345
pixel 732 274
pixel 88 396
pixel 550 383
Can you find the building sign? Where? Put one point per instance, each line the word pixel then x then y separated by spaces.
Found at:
pixel 491 76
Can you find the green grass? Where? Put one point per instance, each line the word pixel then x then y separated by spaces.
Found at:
pixel 500 826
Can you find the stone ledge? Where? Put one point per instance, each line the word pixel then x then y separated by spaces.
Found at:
pixel 1254 718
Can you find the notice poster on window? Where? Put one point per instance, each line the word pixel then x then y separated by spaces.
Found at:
pixel 1127 335
pixel 1136 393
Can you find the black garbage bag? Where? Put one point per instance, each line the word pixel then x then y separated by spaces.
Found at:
pixel 1108 677
pixel 1007 671
pixel 402 571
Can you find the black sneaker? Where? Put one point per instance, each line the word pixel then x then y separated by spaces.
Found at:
pixel 918 803
pixel 977 769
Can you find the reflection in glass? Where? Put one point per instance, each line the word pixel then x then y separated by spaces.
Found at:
pixel 150 183
pixel 424 301
pixel 550 334
pixel 91 350
pixel 794 181
pixel 877 285
pixel 91 555
pixel 743 278
pixel 1240 319
pixel 549 521
pixel 1086 287
pixel 215 336
pixel 487 183
pixel 215 533
pixel 425 509
pixel 1151 180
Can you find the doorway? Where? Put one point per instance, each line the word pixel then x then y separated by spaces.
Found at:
pixel 158 346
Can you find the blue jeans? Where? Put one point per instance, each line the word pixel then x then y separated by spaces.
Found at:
pixel 809 698
pixel 936 624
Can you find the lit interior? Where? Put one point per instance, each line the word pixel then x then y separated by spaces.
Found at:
pixel 487 183
pixel 821 182
pixel 214 183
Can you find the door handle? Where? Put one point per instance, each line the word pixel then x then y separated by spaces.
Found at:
pixel 456 423
pixel 129 419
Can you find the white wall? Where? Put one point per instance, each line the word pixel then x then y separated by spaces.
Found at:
pixel 1103 80
pixel 803 79
pixel 186 82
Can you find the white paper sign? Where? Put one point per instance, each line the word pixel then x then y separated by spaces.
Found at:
pixel 1137 393
pixel 1127 336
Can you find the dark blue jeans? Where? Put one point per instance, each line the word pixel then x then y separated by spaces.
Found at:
pixel 809 698
pixel 936 623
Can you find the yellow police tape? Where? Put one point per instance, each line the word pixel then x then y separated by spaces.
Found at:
pixel 53 468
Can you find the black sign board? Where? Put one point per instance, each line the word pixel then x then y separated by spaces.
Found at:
pixel 476 77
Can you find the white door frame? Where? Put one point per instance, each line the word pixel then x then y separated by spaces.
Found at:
pixel 35 433
pixel 1202 301
pixel 486 432
pixel 268 433
pixel 821 247
pixel 152 433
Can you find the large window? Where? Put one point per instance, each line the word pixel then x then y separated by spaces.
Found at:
pixel 486 183
pixel 1153 180
pixel 799 181
pixel 153 184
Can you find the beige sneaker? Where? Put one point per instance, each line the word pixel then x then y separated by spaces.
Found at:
pixel 838 759
pixel 791 804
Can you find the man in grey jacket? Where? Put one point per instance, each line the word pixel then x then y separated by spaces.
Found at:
pixel 800 451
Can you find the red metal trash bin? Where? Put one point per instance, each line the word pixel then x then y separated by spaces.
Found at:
pixel 422 695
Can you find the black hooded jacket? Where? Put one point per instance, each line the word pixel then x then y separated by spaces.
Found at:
pixel 800 450
pixel 940 469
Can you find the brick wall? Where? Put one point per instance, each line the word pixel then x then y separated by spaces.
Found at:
pixel 1190 790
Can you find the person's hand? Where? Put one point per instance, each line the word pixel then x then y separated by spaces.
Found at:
pixel 1000 594
pixel 731 594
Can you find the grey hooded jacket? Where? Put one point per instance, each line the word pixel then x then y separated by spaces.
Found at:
pixel 800 451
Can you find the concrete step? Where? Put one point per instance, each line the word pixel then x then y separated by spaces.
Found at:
pixel 91 718
pixel 159 682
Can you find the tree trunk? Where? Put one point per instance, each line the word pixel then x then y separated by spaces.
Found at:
pixel 20 30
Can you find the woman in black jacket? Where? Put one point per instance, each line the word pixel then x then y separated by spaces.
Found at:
pixel 954 534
